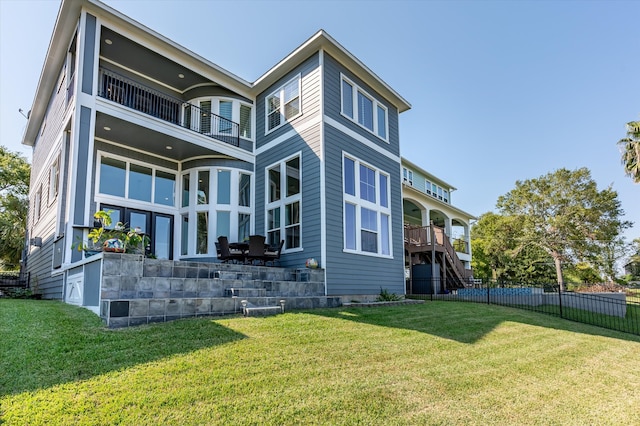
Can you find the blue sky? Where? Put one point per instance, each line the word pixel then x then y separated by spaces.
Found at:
pixel 500 90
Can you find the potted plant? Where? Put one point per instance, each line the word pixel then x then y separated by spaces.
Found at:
pixel 118 239
pixel 97 236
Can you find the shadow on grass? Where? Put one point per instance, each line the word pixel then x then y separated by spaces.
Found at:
pixel 461 321
pixel 47 343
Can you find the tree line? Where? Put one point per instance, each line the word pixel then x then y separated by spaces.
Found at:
pixel 557 227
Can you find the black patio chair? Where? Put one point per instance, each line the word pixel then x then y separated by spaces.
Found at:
pixel 256 249
pixel 272 254
pixel 225 254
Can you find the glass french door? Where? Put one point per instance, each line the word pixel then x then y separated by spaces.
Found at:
pixel 157 226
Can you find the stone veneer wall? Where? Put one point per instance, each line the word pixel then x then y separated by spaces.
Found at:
pixel 137 290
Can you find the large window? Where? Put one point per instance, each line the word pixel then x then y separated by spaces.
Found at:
pixel 221 206
pixel 364 109
pixel 283 104
pixel 367 215
pixel 124 179
pixel 230 110
pixel 283 203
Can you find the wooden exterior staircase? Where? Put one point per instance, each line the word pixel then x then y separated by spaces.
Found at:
pixel 430 244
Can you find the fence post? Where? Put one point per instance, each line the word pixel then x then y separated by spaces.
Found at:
pixel 488 290
pixel 560 300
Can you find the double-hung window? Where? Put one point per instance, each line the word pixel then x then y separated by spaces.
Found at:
pixel 364 109
pixel 283 104
pixel 367 213
pixel 283 197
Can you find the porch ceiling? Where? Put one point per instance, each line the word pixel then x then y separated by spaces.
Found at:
pixel 148 140
pixel 133 56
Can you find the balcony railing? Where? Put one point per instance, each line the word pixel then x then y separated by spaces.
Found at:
pixel 132 94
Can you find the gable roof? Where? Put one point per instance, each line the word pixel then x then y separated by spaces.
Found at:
pixel 65 27
pixel 323 41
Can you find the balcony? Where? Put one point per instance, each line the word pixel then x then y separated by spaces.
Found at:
pixel 132 94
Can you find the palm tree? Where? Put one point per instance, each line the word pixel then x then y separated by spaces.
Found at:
pixel 630 148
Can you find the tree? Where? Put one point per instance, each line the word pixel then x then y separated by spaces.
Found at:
pixel 630 148
pixel 14 205
pixel 498 256
pixel 564 214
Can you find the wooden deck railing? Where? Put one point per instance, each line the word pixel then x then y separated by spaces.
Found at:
pixel 421 237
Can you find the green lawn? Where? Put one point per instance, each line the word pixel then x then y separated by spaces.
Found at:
pixel 435 363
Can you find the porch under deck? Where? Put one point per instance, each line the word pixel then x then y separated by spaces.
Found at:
pixel 430 245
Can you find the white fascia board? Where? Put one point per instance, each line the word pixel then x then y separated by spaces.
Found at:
pixel 63 30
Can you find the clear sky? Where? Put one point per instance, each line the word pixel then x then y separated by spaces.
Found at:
pixel 500 90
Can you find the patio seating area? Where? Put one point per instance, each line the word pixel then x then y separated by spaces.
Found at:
pixel 252 252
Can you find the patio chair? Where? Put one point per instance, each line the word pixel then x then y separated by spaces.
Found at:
pixel 272 254
pixel 225 254
pixel 256 249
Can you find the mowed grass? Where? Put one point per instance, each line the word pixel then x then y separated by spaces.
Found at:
pixel 435 363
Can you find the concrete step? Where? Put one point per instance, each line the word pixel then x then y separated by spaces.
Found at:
pixel 245 292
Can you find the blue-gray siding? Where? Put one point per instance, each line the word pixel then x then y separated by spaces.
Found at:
pixel 305 138
pixel 89 54
pixel 333 105
pixel 349 273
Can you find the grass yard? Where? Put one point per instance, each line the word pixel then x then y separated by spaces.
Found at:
pixel 436 363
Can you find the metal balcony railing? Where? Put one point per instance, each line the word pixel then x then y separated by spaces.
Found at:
pixel 127 92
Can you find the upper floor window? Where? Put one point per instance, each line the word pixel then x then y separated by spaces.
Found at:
pixel 37 204
pixel 363 108
pixel 54 179
pixel 436 191
pixel 216 116
pixel 245 121
pixel 367 215
pixel 283 104
pixel 283 203
pixel 407 176
pixel 134 181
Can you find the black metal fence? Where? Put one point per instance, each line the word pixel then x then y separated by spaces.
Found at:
pixel 613 310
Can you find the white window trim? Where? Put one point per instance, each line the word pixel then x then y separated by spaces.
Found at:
pixel 215 109
pixel 54 179
pixel 280 92
pixel 131 202
pixel 252 119
pixel 283 201
pixel 359 203
pixel 213 208
pixel 376 104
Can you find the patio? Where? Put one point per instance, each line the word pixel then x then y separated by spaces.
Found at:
pixel 134 290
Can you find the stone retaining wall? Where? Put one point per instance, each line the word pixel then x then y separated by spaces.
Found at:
pixel 135 290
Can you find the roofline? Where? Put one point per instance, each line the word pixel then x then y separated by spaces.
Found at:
pixel 323 41
pixel 65 26
pixel 423 171
pixel 68 15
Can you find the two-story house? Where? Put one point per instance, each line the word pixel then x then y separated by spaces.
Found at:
pixel 127 120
